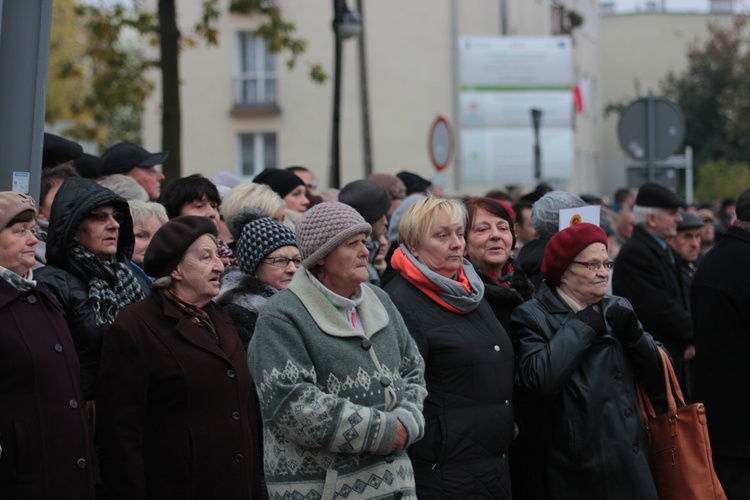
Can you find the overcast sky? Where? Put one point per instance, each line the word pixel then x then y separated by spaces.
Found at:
pixel 673 5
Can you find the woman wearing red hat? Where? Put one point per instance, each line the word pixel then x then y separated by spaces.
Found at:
pixel 579 353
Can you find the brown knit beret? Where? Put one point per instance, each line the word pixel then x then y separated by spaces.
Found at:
pixel 172 240
pixel 563 247
pixel 12 204
pixel 324 227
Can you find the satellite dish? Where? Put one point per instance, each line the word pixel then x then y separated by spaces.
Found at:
pixel 633 129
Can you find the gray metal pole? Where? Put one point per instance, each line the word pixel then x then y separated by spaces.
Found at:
pixel 456 88
pixel 363 94
pixel 651 134
pixel 24 57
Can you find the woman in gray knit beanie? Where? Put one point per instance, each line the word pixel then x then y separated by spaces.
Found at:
pixel 340 380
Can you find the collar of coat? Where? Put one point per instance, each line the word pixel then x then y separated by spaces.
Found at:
pixel 372 313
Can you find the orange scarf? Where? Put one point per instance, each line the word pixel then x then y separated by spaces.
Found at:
pixel 401 263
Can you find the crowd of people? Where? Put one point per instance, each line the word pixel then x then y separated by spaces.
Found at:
pixel 219 338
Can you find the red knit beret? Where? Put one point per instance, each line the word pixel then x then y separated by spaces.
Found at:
pixel 564 246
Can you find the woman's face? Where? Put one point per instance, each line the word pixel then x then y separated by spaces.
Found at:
pixel 297 201
pixel 582 284
pixel 443 249
pixel 489 242
pixel 143 234
pixel 99 231
pixel 278 267
pixel 17 245
pixel 196 277
pixel 202 208
pixel 345 268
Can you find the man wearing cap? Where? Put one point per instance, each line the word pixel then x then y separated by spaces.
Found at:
pixel 57 150
pixel 687 244
pixel 720 298
pixel 646 273
pixel 132 159
pixel 372 202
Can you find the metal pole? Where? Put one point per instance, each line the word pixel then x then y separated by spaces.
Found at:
pixel 689 174
pixel 456 88
pixel 334 180
pixel 651 135
pixel 363 94
pixel 504 17
pixel 536 122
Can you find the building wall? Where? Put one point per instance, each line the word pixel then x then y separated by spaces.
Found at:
pixel 638 52
pixel 411 58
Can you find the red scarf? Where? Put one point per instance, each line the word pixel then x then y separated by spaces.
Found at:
pixel 401 263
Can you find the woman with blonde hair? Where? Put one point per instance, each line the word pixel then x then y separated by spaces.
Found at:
pixel 252 195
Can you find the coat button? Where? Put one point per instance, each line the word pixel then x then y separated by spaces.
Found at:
pixel 239 458
pixel 389 458
pixel 73 404
pixel 507 402
pixel 231 374
pixel 636 448
pixel 236 415
pixel 497 348
pixel 366 344
pixel 81 463
pixel 618 376
pixel 505 457
pixel 58 348
pixel 385 381
pixel 628 412
pixel 31 299
pixel 398 495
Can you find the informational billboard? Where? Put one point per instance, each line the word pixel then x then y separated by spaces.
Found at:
pixel 502 80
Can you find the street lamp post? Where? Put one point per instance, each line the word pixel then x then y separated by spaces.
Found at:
pixel 345 25
pixel 536 122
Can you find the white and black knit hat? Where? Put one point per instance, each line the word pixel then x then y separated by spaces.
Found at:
pixel 259 236
pixel 324 227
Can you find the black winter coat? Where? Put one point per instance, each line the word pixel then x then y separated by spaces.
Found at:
pixel 47 452
pixel 530 258
pixel 504 299
pixel 644 275
pixel 468 411
pixel 583 430
pixel 721 311
pixel 67 281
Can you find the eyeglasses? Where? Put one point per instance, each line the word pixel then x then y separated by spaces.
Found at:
pixel 104 216
pixel 595 265
pixel 282 262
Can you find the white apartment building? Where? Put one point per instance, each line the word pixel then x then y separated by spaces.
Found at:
pixel 244 110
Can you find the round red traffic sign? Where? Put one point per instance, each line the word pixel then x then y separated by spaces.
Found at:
pixel 440 143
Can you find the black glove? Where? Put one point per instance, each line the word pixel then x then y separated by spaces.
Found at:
pixel 624 324
pixel 593 319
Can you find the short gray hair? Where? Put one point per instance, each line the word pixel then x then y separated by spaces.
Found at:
pixel 641 213
pixel 545 214
pixel 125 186
pixel 142 211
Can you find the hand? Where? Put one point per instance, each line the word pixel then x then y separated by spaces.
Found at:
pixel 593 319
pixel 402 436
pixel 689 353
pixel 624 324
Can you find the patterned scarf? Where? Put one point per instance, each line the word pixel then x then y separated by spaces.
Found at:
pixel 107 303
pixel 460 295
pixel 506 275
pixel 197 315
pixel 22 283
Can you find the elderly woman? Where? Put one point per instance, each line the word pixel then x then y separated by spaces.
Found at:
pixel 148 217
pixel 339 379
pixel 291 188
pixel 177 416
pixel 268 257
pixel 468 357
pixel 579 354
pixel 44 439
pixel 88 271
pixel 490 240
pixel 251 195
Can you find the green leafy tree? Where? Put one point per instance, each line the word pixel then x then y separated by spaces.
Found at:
pixel 722 179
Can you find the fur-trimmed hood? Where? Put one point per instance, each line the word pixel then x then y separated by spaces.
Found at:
pixel 243 290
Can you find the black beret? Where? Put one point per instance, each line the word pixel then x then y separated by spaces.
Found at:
pixel 88 166
pixel 689 221
pixel 57 150
pixel 172 240
pixel 657 196
pixel 282 182
pixel 125 156
pixel 413 182
pixel 366 197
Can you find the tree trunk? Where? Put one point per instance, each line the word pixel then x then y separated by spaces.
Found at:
pixel 170 89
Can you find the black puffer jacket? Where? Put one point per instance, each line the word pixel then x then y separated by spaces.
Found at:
pixel 68 281
pixel 468 411
pixel 242 297
pixel 530 258
pixel 583 432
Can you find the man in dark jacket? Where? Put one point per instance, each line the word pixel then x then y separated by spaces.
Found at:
pixel 720 299
pixel 646 273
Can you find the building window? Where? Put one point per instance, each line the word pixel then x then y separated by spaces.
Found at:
pixel 255 84
pixel 257 152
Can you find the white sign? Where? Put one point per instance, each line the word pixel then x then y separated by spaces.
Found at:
pixel 511 109
pixel 20 182
pixel 572 216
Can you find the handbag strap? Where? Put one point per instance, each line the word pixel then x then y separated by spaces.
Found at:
pixel 675 398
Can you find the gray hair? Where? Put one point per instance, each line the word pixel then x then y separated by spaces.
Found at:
pixel 142 211
pixel 641 214
pixel 250 194
pixel 125 186
pixel 163 282
pixel 545 214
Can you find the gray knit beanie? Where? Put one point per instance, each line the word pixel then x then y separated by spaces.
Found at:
pixel 260 236
pixel 324 227
pixel 545 214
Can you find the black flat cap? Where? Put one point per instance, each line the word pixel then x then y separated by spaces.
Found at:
pixel 124 156
pixel 413 182
pixel 657 196
pixel 88 166
pixel 366 197
pixel 689 221
pixel 57 150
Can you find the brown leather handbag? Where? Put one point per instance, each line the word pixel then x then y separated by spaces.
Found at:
pixel 681 450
